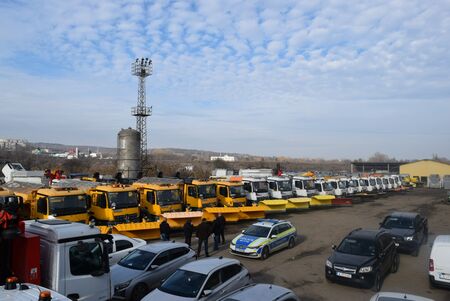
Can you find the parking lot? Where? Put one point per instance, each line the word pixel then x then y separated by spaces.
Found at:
pixel 302 268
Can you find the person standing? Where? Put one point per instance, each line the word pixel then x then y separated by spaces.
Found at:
pixel 164 229
pixel 221 221
pixel 216 231
pixel 188 228
pixel 203 232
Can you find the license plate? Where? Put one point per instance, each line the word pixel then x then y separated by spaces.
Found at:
pixel 444 276
pixel 345 275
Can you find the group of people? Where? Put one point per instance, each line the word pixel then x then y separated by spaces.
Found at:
pixel 204 231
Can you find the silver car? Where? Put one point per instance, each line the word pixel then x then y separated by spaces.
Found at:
pixel 143 269
pixel 205 280
pixel 259 291
pixel 397 296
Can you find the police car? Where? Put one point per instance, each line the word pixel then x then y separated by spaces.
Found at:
pixel 263 238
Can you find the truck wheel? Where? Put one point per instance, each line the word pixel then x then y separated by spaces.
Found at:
pixel 265 253
pixel 291 243
pixel 378 282
pixel 139 292
pixel 395 263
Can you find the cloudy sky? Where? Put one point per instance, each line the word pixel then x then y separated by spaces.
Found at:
pixel 332 79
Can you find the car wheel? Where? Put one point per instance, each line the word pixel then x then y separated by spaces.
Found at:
pixel 291 243
pixel 378 282
pixel 395 263
pixel 139 292
pixel 265 253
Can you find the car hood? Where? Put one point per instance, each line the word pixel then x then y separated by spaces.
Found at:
pixel 120 274
pixel 399 232
pixel 243 240
pixel 158 295
pixel 348 259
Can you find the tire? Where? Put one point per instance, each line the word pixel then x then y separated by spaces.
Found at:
pixel 291 243
pixel 395 263
pixel 265 253
pixel 139 292
pixel 378 282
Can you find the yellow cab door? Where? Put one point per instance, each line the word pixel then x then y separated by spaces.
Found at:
pixel 149 205
pixel 99 207
pixel 191 197
pixel 223 194
pixel 40 210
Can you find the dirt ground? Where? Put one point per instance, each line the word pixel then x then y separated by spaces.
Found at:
pixel 302 268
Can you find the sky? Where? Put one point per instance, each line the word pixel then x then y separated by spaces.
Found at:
pixel 316 79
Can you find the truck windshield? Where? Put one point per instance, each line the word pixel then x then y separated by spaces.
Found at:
pixel 207 191
pixel 168 197
pixel 341 185
pixel 372 182
pixel 123 199
pixel 385 181
pixel 309 184
pixel 9 200
pixel 327 186
pixel 184 284
pixel 334 184
pixel 353 183
pixel 257 231
pixel 362 182
pixel 237 191
pixel 137 260
pixel 318 187
pixel 65 205
pixel 379 182
pixel 361 247
pixel 284 185
pixel 260 187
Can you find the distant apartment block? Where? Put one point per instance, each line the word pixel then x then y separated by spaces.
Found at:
pixel 12 144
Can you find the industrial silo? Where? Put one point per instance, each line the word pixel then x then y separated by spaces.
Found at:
pixel 128 153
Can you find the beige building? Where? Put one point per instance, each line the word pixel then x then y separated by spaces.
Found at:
pixel 424 168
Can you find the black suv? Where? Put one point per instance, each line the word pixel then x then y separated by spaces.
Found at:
pixel 363 258
pixel 408 229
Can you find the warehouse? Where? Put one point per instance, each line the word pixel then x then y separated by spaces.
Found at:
pixel 424 168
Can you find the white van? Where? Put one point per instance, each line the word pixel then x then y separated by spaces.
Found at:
pixel 439 263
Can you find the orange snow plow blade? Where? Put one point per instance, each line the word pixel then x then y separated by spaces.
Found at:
pixel 298 204
pixel 177 220
pixel 273 206
pixel 321 200
pixel 231 214
pixel 251 212
pixel 143 230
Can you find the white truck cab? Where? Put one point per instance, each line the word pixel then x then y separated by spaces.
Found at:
pixel 74 257
pixel 349 189
pixel 256 189
pixel 367 184
pixel 339 187
pixel 387 183
pixel 303 186
pixel 323 187
pixel 280 187
pixel 355 183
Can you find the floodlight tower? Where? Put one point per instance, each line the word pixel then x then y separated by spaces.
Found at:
pixel 142 68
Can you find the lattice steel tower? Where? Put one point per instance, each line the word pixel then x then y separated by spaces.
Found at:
pixel 142 68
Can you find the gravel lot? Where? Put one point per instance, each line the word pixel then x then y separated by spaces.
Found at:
pixel 302 268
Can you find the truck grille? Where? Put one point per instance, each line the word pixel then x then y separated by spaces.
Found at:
pixel 127 218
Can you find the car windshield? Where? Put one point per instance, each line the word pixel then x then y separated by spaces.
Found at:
pixel 398 222
pixel 123 199
pixel 260 187
pixel 356 246
pixel 168 197
pixel 66 205
pixel 237 191
pixel 184 284
pixel 207 191
pixel 137 260
pixel 258 231
pixel 284 185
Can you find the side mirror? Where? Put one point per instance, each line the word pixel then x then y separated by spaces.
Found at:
pixel 273 236
pixel 333 247
pixel 113 206
pixel 207 292
pixel 154 267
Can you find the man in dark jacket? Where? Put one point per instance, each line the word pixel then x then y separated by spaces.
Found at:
pixel 188 228
pixel 203 232
pixel 221 221
pixel 164 228
pixel 216 231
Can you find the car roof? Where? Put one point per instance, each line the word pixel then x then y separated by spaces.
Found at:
pixel 257 291
pixel 399 296
pixel 442 240
pixel 269 222
pixel 161 246
pixel 404 214
pixel 205 266
pixel 365 233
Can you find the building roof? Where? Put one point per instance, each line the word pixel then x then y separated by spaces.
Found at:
pixel 426 160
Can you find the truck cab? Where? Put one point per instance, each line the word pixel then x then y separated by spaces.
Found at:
pixel 349 190
pixel 355 183
pixel 387 184
pixel 231 193
pixel 365 182
pixel 74 259
pixel 256 190
pixel 159 195
pixel 303 186
pixel 323 187
pixel 67 203
pixel 280 187
pixel 199 194
pixel 339 187
pixel 114 204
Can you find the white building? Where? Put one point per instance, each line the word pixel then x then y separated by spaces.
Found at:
pixel 225 158
pixel 12 144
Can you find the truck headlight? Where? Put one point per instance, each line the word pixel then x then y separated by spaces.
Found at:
pixel 121 286
pixel 367 269
pixel 329 264
pixel 409 238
